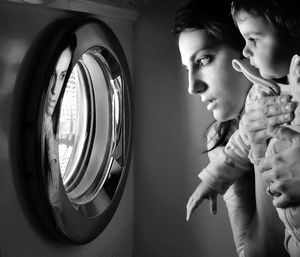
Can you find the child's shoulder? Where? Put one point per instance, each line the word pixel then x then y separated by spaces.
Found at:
pixel 254 92
pixel 259 84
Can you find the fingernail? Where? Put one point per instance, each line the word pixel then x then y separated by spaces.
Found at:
pixel 287 117
pixel 289 107
pixel 285 98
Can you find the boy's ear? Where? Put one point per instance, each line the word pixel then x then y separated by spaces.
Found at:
pixel 294 72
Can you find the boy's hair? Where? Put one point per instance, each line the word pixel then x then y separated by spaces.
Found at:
pixel 213 17
pixel 283 14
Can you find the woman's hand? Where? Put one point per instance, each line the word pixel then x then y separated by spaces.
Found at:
pixel 263 112
pixel 282 170
pixel 203 191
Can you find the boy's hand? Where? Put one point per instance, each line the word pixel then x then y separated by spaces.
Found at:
pixel 203 191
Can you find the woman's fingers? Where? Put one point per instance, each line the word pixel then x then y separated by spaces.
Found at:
pixel 265 112
pixel 288 193
pixel 270 116
pixel 269 101
pixel 285 134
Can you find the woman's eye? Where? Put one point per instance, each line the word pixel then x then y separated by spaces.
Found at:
pixel 62 75
pixel 203 61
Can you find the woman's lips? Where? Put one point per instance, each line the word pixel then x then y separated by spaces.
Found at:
pixel 211 104
pixel 52 101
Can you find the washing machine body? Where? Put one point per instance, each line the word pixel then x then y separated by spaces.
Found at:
pixel 65 129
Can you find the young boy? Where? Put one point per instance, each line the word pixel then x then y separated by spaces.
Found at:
pixel 270 29
pixel 271 32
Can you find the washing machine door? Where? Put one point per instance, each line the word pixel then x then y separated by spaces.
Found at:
pixel 77 126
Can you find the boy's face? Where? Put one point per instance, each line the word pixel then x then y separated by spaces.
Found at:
pixel 265 46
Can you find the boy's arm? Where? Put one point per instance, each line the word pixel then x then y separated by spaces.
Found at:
pixel 227 164
pixel 220 173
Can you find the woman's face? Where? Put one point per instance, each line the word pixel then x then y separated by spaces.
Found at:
pixel 210 73
pixel 57 80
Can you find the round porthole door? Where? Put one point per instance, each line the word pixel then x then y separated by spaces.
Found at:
pixel 78 132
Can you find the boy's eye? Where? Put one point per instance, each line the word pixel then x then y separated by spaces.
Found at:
pixel 253 41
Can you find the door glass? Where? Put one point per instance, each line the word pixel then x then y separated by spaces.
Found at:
pixel 83 120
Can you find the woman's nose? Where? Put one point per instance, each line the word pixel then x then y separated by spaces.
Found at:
pixel 53 83
pixel 196 85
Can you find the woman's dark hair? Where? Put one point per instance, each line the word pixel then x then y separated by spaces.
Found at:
pixel 211 16
pixel 222 133
pixel 71 43
pixel 283 14
pixel 215 18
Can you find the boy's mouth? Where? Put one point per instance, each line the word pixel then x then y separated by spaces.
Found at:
pixel 252 63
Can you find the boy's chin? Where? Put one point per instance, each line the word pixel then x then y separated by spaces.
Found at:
pixel 265 75
pixel 280 78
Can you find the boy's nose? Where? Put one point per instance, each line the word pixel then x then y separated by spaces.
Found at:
pixel 247 52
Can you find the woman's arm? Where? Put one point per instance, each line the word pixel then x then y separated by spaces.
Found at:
pixel 282 170
pixel 264 112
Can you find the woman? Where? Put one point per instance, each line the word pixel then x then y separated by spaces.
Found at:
pixel 51 120
pixel 208 42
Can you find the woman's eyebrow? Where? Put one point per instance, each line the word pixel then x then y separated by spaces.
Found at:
pixel 201 51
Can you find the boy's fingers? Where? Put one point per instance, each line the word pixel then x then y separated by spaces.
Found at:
pixel 192 205
pixel 189 209
pixel 188 214
pixel 213 204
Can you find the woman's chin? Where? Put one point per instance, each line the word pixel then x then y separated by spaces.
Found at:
pixel 49 111
pixel 219 116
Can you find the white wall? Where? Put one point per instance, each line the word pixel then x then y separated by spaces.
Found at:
pixel 169 126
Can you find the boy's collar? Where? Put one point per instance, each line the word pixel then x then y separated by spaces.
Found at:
pixel 284 80
pixel 252 74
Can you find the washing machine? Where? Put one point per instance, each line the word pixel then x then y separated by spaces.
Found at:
pixel 66 133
